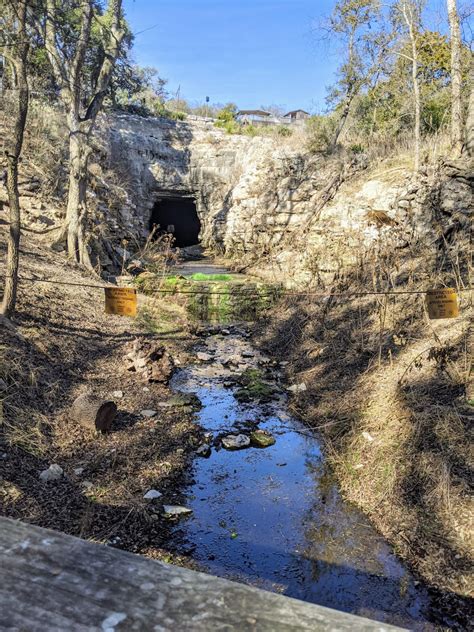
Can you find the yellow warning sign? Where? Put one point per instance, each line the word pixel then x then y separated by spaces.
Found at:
pixel 121 300
pixel 442 303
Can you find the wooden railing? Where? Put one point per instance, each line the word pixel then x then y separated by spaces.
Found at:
pixel 55 582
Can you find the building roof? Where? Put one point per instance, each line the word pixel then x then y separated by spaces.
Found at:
pixel 254 112
pixel 295 112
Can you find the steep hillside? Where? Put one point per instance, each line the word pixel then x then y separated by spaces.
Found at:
pixel 63 345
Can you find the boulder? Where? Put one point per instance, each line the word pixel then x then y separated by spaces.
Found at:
pixel 148 413
pixel 297 388
pixel 204 357
pixel 150 360
pixel 176 510
pixel 204 451
pixel 152 494
pixel 235 442
pixel 262 439
pixel 184 400
pixel 53 473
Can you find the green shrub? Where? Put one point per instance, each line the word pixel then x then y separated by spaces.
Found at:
pixel 226 119
pixel 321 130
pixel 436 112
pixel 250 130
pixel 231 127
pixel 284 131
pixel 177 116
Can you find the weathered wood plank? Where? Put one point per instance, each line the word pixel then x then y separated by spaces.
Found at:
pixel 52 581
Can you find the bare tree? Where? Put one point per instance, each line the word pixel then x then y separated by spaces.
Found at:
pixel 469 144
pixel 456 79
pixel 352 23
pixel 469 132
pixel 15 52
pixel 82 105
pixel 410 11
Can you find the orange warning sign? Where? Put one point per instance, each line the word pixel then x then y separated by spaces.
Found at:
pixel 121 300
pixel 442 303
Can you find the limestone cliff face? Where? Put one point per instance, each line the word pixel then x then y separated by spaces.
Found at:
pixel 263 200
pixel 251 193
pixel 162 157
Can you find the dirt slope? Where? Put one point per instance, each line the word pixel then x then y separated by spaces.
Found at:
pixel 388 397
pixel 65 345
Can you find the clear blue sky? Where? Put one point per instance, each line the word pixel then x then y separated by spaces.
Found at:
pixel 251 52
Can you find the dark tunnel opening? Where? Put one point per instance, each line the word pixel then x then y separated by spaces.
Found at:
pixel 178 216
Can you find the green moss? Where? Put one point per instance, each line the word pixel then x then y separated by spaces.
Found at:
pixel 261 439
pixel 212 297
pixel 254 387
pixel 200 276
pixel 185 400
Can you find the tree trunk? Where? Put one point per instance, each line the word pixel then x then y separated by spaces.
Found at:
pixel 76 212
pixel 469 136
pixel 18 61
pixel 469 143
pixel 456 104
pixel 342 121
pixel 416 99
pixel 351 90
pixel 409 12
pixel 13 256
pixel 69 74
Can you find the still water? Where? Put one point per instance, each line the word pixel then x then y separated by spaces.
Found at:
pixel 273 517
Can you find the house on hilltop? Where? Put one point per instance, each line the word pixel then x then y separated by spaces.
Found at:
pixel 297 115
pixel 262 117
pixel 256 117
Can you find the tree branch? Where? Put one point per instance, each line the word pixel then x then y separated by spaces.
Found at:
pixel 117 34
pixel 57 64
pixel 80 55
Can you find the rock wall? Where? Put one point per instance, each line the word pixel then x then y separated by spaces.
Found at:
pixel 158 158
pixel 264 200
pixel 278 211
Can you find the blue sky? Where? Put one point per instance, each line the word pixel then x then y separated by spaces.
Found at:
pixel 251 52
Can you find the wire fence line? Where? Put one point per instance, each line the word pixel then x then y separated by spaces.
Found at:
pixel 276 290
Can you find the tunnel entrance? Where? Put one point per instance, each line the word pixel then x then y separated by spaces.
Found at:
pixel 178 216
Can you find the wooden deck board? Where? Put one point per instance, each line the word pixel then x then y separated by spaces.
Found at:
pixel 52 581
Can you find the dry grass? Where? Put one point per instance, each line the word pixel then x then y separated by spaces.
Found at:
pixel 385 390
pixel 66 344
pixel 44 149
pixel 158 315
pixel 410 467
pixel 22 427
pixel 384 146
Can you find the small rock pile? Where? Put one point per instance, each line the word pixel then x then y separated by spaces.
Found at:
pixel 150 360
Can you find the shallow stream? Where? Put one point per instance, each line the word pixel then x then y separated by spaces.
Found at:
pixel 273 517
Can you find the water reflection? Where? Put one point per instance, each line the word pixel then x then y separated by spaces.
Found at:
pixel 273 518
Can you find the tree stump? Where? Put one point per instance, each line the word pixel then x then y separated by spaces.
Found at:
pixel 93 412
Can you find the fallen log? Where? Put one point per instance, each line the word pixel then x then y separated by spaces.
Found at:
pixel 93 412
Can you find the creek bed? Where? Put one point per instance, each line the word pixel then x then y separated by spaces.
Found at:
pixel 273 517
